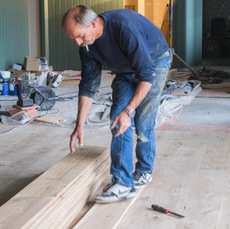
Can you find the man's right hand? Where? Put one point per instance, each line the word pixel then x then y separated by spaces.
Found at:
pixel 76 135
pixel 84 104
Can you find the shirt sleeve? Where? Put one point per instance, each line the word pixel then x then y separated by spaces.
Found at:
pixel 90 75
pixel 136 48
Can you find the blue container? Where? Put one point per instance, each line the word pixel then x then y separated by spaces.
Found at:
pixel 11 86
pixel 1 88
pixel 5 89
pixel 16 89
pixel 13 89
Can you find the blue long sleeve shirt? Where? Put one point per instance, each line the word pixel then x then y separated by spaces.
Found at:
pixel 130 44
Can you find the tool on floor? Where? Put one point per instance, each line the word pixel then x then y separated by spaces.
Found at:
pixel 24 99
pixel 45 97
pixel 29 95
pixel 166 211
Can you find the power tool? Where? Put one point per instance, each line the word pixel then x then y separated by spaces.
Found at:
pixel 30 94
pixel 24 92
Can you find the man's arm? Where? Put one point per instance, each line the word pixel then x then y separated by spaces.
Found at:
pixel 123 119
pixel 84 105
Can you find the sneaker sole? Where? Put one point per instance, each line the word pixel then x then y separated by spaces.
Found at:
pixel 138 187
pixel 129 196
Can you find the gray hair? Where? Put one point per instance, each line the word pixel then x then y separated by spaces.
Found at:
pixel 83 15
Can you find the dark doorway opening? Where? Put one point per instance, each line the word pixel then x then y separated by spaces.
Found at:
pixel 216 33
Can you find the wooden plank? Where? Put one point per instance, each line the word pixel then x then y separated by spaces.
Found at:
pixel 188 180
pixel 106 215
pixel 35 106
pixel 224 219
pixel 182 181
pixel 54 199
pixel 171 146
pixel 110 215
pixel 217 154
pixel 172 180
pixel 159 11
pixel 70 82
pixel 50 119
pixel 204 201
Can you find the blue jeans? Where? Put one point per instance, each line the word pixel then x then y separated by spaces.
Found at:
pixel 124 86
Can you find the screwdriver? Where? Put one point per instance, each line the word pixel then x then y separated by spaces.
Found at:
pixel 166 211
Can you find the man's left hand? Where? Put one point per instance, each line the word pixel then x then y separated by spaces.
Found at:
pixel 124 122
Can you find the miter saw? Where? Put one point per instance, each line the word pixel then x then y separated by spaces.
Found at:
pixel 30 94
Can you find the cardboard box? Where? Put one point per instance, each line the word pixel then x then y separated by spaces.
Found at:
pixel 18 73
pixel 32 63
pixel 17 67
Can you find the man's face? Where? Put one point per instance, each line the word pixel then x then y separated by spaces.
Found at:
pixel 83 36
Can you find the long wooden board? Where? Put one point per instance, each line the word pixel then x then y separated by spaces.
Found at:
pixel 191 177
pixel 55 198
pixel 105 215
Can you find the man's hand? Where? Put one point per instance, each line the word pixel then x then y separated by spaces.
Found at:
pixel 84 104
pixel 78 134
pixel 124 121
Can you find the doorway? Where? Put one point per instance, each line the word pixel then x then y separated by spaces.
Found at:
pixel 216 33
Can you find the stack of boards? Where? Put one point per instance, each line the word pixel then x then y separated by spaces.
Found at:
pixel 55 199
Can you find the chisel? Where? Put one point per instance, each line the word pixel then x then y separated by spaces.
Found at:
pixel 166 211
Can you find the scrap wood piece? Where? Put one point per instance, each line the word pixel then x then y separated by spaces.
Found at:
pixel 31 111
pixel 54 199
pixel 35 106
pixel 179 94
pixel 70 82
pixel 50 119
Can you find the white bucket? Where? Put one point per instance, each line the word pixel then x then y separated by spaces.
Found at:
pixel 42 79
pixel 5 74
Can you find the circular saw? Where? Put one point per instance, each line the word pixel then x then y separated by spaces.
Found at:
pixel 45 97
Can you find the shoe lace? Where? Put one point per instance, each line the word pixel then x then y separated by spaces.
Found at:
pixel 137 175
pixel 108 187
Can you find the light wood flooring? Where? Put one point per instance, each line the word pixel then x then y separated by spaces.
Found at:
pixel 191 174
pixel 191 177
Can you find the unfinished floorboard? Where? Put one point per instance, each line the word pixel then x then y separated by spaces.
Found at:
pixel 191 180
pixel 54 199
pixel 224 219
pixel 171 181
pixel 191 177
pixel 205 201
pixel 171 146
pixel 105 215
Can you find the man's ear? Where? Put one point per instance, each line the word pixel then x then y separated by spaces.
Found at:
pixel 93 23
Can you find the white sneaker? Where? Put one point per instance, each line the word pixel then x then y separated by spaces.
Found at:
pixel 115 192
pixel 141 180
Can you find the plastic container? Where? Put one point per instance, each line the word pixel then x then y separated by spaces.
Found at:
pixel 5 89
pixel 1 85
pixel 13 89
pixel 5 75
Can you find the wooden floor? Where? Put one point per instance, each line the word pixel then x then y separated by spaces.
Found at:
pixel 191 177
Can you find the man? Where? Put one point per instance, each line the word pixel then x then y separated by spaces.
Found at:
pixel 137 51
